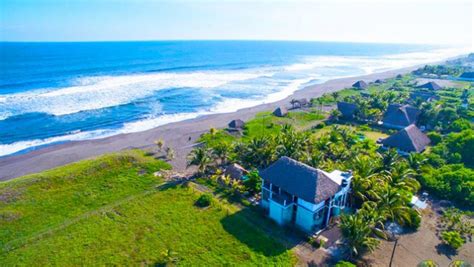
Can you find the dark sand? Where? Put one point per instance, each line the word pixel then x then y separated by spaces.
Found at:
pixel 176 135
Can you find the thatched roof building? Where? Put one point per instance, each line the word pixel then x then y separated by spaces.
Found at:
pixel 360 85
pixel 298 179
pixel 430 86
pixel 409 139
pixel 235 171
pixel 379 81
pixel 236 124
pixel 399 116
pixel 280 112
pixel 299 103
pixel 424 96
pixel 347 110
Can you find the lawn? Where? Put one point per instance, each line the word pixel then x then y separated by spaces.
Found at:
pixel 111 211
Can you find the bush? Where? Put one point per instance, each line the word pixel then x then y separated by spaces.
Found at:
pixel 460 125
pixel 319 125
pixel 427 263
pixel 453 239
pixel 344 264
pixel 204 200
pixel 415 219
pixel 435 137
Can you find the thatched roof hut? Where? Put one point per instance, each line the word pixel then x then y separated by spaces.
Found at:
pixel 409 139
pixel 299 103
pixel 236 124
pixel 360 85
pixel 235 171
pixel 379 81
pixel 280 112
pixel 430 86
pixel 424 96
pixel 347 110
pixel 399 116
pixel 298 179
pixel 399 76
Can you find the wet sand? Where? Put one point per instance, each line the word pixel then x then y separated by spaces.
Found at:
pixel 179 135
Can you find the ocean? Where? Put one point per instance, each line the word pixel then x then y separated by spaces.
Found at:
pixel 59 92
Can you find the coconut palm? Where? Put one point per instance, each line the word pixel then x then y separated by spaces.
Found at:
pixel 389 159
pixel 200 157
pixel 357 234
pixel 392 203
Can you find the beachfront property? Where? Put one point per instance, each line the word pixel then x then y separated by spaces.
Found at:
pixel 409 139
pixel 295 193
pixel 423 96
pixel 400 116
pixel 360 85
pixel 348 110
pixel 280 112
pixel 299 103
pixel 235 171
pixel 430 86
pixel 236 125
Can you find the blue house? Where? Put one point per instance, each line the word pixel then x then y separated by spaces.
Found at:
pixel 295 193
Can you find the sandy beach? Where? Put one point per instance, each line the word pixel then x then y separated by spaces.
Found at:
pixel 180 136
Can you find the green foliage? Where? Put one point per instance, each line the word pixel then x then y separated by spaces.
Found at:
pixel 428 263
pixel 454 182
pixel 453 239
pixel 457 147
pixel 435 138
pixel 111 211
pixel 439 70
pixel 460 125
pixel 344 264
pixel 204 200
pixel 357 234
pixel 254 182
pixel 200 157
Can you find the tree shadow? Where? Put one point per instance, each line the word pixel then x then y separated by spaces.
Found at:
pixel 257 233
pixel 444 249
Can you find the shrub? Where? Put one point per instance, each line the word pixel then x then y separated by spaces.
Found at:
pixel 204 200
pixel 344 264
pixel 427 263
pixel 319 125
pixel 453 239
pixel 415 219
pixel 435 137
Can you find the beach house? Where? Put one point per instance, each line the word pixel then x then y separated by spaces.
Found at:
pixel 295 193
pixel 409 139
pixel 348 110
pixel 430 86
pixel 360 85
pixel 400 116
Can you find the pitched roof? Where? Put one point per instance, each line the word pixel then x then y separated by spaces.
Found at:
pixel 360 84
pixel 280 112
pixel 301 180
pixel 430 85
pixel 236 124
pixel 347 110
pixel 379 81
pixel 467 75
pixel 399 115
pixel 408 139
pixel 235 171
pixel 425 96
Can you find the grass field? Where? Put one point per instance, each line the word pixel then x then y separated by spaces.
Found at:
pixel 113 211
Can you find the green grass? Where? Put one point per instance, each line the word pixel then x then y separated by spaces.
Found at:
pixel 110 211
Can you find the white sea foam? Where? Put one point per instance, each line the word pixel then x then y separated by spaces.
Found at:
pixel 91 93
pixel 108 91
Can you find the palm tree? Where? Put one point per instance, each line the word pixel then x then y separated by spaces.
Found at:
pixel 335 95
pixel 357 234
pixel 401 176
pixel 222 152
pixel 392 204
pixel 416 161
pixel 259 152
pixel 389 159
pixel 200 157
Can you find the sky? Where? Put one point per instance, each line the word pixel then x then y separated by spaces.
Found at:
pixel 386 21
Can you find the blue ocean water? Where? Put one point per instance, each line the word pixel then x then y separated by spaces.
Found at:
pixel 57 92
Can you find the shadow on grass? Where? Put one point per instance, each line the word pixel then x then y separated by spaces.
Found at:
pixel 259 233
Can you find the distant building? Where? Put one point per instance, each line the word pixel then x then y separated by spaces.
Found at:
pixel 293 192
pixel 299 103
pixel 430 86
pixel 360 85
pixel 400 116
pixel 399 76
pixel 424 96
pixel 409 139
pixel 235 171
pixel 236 125
pixel 348 110
pixel 280 112
pixel 379 81
pixel 467 76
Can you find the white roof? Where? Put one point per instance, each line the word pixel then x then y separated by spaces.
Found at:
pixel 417 203
pixel 337 176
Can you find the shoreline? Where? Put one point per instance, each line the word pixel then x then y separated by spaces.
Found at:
pixel 180 136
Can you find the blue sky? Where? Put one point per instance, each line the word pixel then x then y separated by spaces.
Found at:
pixel 392 21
